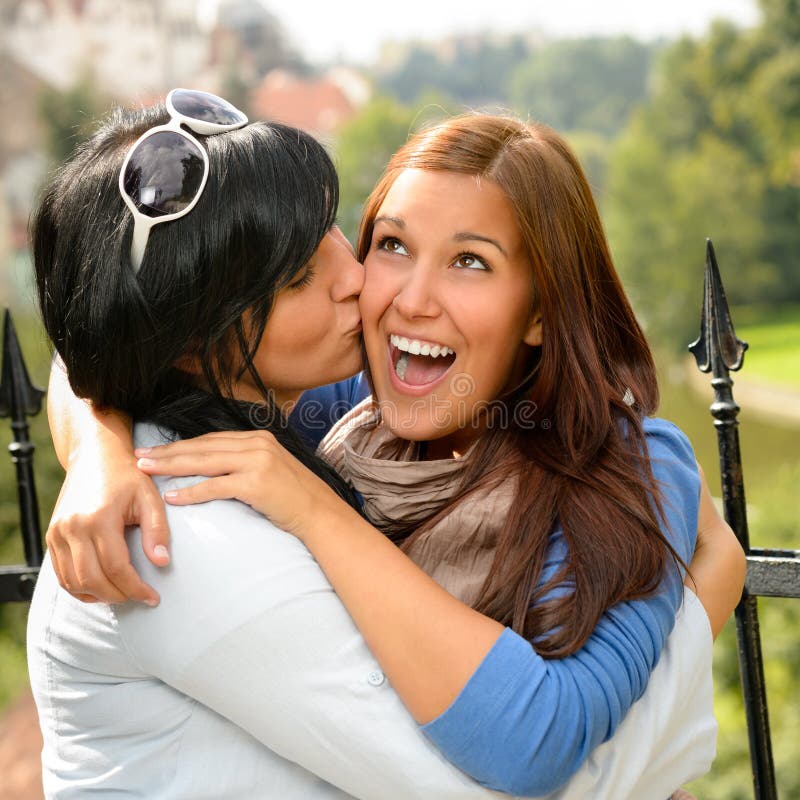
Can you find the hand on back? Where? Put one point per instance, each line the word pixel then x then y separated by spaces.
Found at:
pixel 101 495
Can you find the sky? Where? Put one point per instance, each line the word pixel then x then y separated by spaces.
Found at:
pixel 354 29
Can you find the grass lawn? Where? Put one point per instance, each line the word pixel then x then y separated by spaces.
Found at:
pixel 774 339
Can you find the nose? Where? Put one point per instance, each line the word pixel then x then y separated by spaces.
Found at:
pixel 415 297
pixel 349 275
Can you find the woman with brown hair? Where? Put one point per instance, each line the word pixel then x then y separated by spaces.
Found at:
pixel 510 452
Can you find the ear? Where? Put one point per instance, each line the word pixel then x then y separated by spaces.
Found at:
pixel 533 333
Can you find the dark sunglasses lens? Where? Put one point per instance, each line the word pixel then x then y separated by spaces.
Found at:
pixel 164 174
pixel 206 107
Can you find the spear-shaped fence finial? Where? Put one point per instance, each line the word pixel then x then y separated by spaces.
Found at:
pixel 717 346
pixel 718 351
pixel 19 398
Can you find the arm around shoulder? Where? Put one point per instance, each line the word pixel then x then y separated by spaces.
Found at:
pixel 102 493
pixel 718 568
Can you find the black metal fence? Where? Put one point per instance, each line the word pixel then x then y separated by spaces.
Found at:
pixel 773 573
pixel 19 399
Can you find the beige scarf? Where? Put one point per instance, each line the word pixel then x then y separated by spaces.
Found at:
pixel 397 487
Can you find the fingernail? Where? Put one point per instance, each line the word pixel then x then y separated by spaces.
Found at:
pixel 150 602
pixel 171 494
pixel 145 462
pixel 140 451
pixel 161 552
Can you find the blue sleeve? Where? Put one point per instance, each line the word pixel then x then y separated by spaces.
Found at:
pixel 318 410
pixel 523 724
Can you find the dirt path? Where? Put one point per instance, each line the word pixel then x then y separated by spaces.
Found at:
pixel 775 403
pixel 20 748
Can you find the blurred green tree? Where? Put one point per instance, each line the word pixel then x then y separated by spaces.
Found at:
pixel 366 143
pixel 474 71
pixel 583 84
pixel 71 115
pixel 714 152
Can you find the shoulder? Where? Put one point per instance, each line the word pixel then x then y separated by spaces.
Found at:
pixel 228 562
pixel 318 409
pixel 671 454
pixel 674 467
pixel 666 439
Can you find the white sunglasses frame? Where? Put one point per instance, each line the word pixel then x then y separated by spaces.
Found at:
pixel 142 223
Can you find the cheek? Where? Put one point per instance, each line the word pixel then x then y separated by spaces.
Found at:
pixel 376 295
pixel 297 324
pixel 496 343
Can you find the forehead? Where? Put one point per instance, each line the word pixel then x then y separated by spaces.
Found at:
pixel 451 202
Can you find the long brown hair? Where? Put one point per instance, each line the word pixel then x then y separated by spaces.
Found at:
pixel 585 469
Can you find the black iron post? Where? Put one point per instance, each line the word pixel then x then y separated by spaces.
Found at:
pixel 18 399
pixel 718 350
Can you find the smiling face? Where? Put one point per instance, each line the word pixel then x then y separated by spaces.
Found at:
pixel 313 333
pixel 447 305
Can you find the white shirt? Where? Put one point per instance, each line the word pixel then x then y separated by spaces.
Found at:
pixel 250 680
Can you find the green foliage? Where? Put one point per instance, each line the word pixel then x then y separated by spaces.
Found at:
pixel 774 339
pixel 583 84
pixel 714 152
pixel 472 72
pixel 364 147
pixel 782 18
pixel 593 151
pixel 70 116
pixel 658 221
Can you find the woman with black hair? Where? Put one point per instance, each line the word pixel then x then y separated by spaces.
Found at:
pixel 217 322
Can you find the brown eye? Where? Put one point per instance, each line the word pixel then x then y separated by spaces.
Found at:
pixel 471 261
pixel 392 245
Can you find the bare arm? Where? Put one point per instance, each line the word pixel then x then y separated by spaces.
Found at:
pixel 717 570
pixel 456 638
pixel 75 424
pixel 102 493
pixel 434 642
pixel 375 582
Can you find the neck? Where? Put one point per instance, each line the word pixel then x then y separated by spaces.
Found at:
pixel 448 447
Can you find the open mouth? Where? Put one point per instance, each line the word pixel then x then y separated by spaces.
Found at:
pixel 417 362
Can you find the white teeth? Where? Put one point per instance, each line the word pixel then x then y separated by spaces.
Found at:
pixel 417 347
pixel 402 366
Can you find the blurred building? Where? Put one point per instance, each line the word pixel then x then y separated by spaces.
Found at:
pixel 22 167
pixel 131 52
pixel 246 33
pixel 318 105
pixel 128 47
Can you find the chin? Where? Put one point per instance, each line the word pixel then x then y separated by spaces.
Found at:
pixel 415 430
pixel 346 367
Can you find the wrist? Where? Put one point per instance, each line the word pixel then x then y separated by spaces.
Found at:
pixel 323 518
pixel 105 448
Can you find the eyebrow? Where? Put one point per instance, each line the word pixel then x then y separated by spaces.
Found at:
pixel 394 220
pixel 463 236
pixel 467 236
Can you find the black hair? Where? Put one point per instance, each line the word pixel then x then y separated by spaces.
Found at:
pixel 271 196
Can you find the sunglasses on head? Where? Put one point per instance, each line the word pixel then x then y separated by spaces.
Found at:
pixel 166 170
